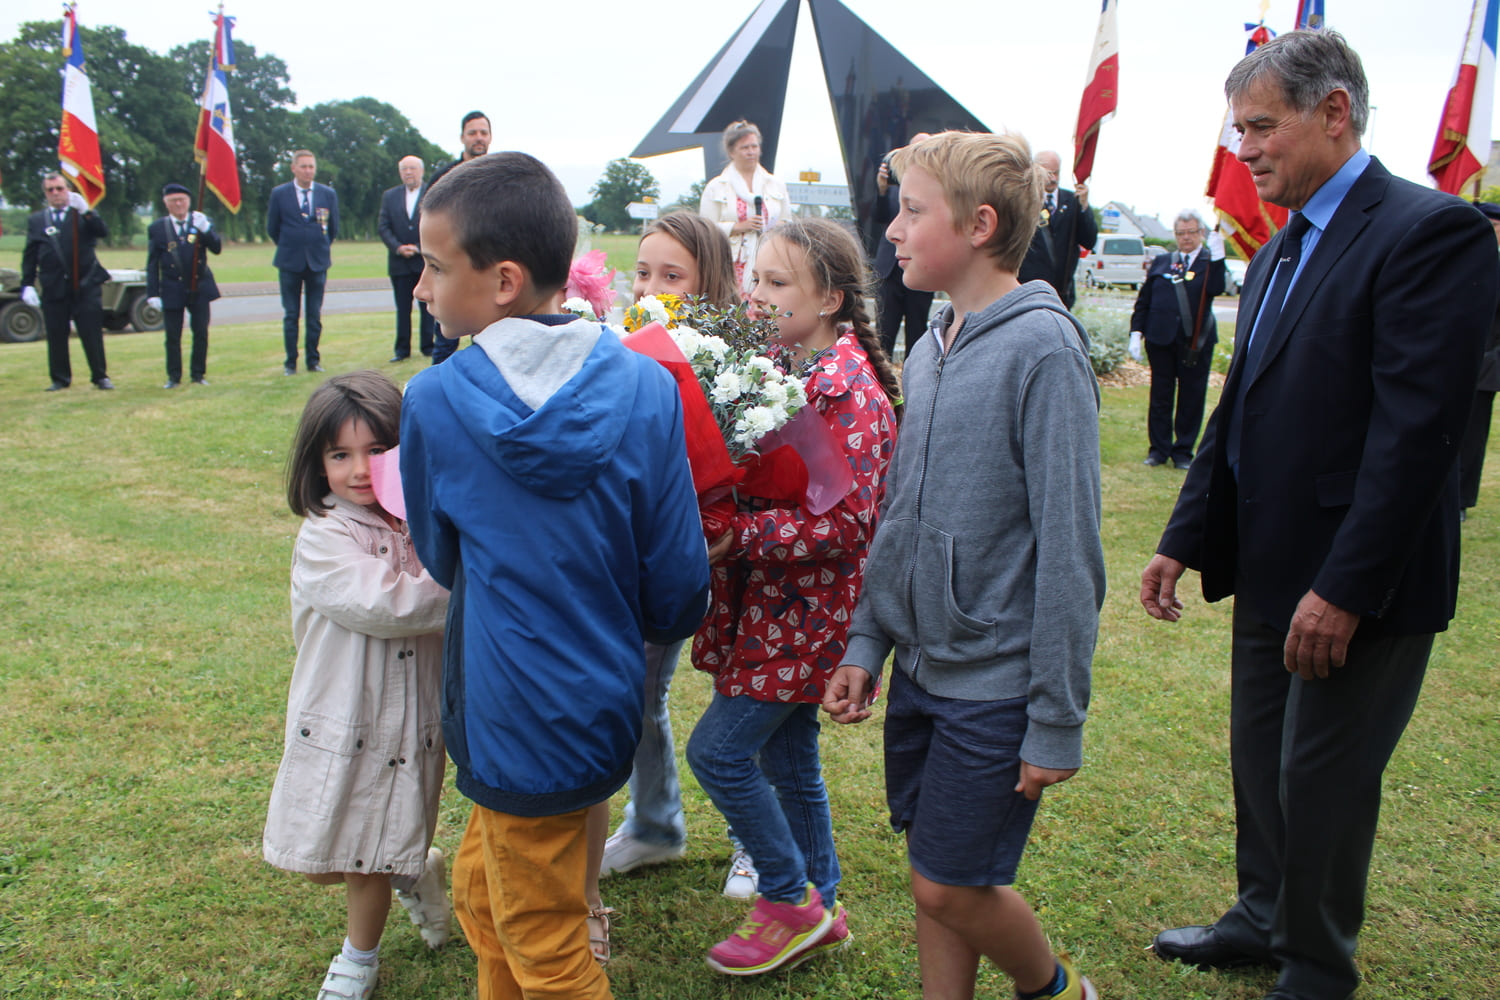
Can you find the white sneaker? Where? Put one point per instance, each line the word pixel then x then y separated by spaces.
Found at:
pixel 348 980
pixel 427 902
pixel 623 853
pixel 743 881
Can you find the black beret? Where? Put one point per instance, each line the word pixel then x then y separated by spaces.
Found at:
pixel 175 189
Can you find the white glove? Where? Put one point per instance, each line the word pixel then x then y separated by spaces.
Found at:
pixel 201 223
pixel 75 200
pixel 30 297
pixel 1137 346
pixel 154 301
pixel 1215 246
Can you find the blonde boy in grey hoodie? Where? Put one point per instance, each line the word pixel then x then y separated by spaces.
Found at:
pixel 986 574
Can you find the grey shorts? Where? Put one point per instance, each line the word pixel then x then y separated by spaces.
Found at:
pixel 951 769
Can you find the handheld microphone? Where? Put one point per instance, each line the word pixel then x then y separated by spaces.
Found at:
pixel 760 205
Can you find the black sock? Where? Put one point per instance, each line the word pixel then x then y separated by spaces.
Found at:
pixel 1059 981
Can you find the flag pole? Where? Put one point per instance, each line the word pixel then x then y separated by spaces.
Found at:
pixel 213 56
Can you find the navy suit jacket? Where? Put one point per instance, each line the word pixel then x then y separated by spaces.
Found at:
pixel 169 264
pixel 1053 254
pixel 48 257
pixel 1348 481
pixel 1158 314
pixel 397 229
pixel 301 243
pixel 887 206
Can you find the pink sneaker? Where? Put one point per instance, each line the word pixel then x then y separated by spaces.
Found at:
pixel 836 938
pixel 771 935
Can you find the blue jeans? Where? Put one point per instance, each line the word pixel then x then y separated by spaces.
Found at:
pixel 654 813
pixel 758 762
pixel 296 285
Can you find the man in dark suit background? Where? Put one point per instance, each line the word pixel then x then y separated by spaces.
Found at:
pixel 1067 226
pixel 59 252
pixel 302 219
pixel 178 278
pixel 1325 499
pixel 400 214
pixel 474 136
pixel 1174 319
pixel 1477 433
pixel 897 303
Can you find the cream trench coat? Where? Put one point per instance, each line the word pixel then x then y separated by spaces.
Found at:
pixel 362 771
pixel 720 205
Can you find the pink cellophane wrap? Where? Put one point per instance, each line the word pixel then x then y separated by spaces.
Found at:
pixel 385 476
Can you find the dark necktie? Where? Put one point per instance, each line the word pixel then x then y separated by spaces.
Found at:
pixel 57 217
pixel 306 205
pixel 1264 328
pixel 1051 206
pixel 182 230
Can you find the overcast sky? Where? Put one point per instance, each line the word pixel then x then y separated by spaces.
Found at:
pixel 580 82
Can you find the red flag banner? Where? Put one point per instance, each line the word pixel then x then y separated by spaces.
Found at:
pixel 1100 94
pixel 78 139
pixel 213 147
pixel 1462 148
pixel 1247 221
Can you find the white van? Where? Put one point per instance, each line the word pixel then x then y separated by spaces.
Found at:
pixel 1115 260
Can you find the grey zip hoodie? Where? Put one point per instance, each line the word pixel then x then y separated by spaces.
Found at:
pixel 986 572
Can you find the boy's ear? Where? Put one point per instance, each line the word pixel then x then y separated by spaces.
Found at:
pixel 511 281
pixel 982 227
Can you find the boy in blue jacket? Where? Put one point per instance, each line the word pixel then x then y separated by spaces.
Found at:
pixel 547 486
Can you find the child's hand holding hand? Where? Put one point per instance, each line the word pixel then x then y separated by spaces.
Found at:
pixel 720 548
pixel 847 697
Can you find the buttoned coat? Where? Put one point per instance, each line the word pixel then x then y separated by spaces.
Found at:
pixel 169 264
pixel 302 243
pixel 362 770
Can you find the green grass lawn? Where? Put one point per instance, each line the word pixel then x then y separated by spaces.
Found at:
pixel 252 261
pixel 143 689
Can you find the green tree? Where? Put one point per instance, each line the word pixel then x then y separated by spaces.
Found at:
pixel 359 143
pixel 624 181
pixel 689 200
pixel 145 122
pixel 260 102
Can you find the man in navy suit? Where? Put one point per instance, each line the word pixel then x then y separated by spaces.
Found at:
pixel 302 219
pixel 59 254
pixel 178 278
pixel 474 135
pixel 1325 499
pixel 897 303
pixel 400 214
pixel 1174 319
pixel 1067 226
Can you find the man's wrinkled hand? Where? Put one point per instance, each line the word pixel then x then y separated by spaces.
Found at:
pixel 1318 640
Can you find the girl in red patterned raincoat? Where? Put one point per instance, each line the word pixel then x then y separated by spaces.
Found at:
pixel 785 582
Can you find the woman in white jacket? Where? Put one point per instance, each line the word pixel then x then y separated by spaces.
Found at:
pixel 744 200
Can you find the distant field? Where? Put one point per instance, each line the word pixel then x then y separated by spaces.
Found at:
pixel 252 261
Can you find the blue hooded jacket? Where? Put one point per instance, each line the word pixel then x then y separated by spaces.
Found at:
pixel 547 485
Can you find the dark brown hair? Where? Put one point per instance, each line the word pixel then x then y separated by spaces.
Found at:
pixel 366 396
pixel 836 263
pixel 509 206
pixel 709 248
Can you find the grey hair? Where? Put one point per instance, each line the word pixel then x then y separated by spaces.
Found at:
pixel 1190 215
pixel 1306 66
pixel 736 131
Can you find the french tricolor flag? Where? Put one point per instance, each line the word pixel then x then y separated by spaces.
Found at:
pixel 78 140
pixel 1463 140
pixel 213 146
pixel 1101 95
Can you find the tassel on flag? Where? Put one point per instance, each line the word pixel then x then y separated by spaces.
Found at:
pixel 78 139
pixel 1462 148
pixel 213 147
pixel 1310 15
pixel 1100 94
pixel 1247 221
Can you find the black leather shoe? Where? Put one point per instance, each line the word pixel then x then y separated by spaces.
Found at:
pixel 1154 460
pixel 398 357
pixel 55 387
pixel 172 383
pixel 200 381
pixel 288 369
pixel 1201 946
pixel 104 383
pixel 314 368
pixel 1180 463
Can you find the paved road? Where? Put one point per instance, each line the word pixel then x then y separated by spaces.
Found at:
pixel 260 302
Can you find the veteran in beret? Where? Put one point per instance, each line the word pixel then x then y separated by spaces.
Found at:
pixel 178 279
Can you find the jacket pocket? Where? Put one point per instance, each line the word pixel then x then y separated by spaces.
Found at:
pixel 946 631
pixel 322 760
pixel 1336 489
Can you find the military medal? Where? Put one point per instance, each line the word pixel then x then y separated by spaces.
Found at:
pixel 51 230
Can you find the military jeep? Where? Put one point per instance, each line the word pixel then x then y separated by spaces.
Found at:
pixel 123 297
